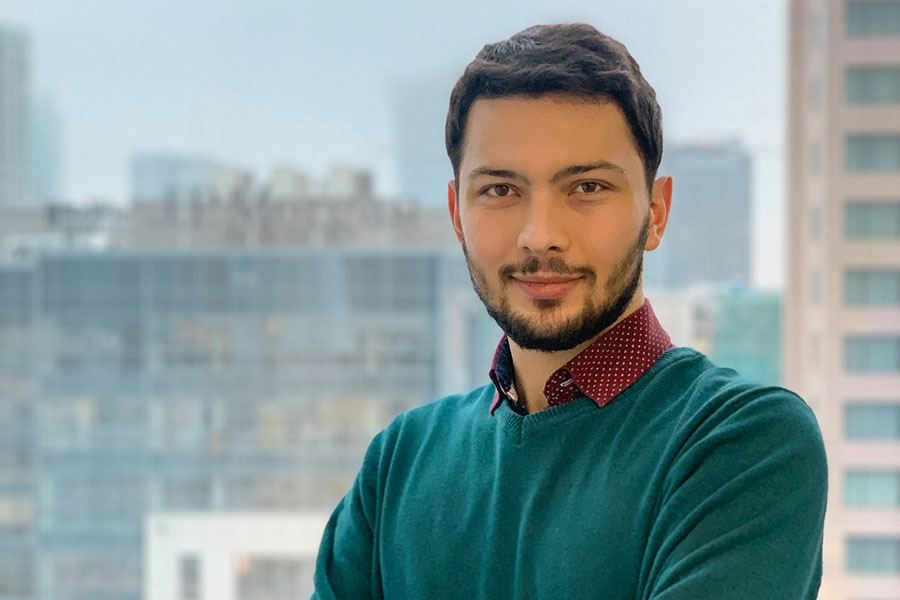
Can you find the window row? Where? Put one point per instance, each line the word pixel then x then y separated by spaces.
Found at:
pixel 872 421
pixel 872 85
pixel 874 488
pixel 872 152
pixel 873 18
pixel 873 555
pixel 872 354
pixel 866 219
pixel 872 287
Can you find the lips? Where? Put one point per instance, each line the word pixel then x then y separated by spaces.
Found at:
pixel 545 288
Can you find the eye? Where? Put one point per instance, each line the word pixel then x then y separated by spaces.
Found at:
pixel 590 187
pixel 499 190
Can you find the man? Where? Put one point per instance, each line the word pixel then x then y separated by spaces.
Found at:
pixel 601 461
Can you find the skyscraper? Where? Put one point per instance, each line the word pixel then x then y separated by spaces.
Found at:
pixel 419 111
pixel 15 123
pixel 46 150
pixel 843 292
pixel 708 235
pixel 158 176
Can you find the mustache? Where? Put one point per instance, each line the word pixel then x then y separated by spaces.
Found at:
pixel 554 264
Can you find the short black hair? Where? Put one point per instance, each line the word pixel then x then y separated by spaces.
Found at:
pixel 570 59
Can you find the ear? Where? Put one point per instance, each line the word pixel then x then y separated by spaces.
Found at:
pixel 660 203
pixel 453 206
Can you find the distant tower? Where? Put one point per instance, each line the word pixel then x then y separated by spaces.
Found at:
pixel 46 151
pixel 15 122
pixel 419 111
pixel 158 176
pixel 707 238
pixel 842 317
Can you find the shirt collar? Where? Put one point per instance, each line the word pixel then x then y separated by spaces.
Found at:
pixel 602 371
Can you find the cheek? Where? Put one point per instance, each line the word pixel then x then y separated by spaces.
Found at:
pixel 605 243
pixel 489 238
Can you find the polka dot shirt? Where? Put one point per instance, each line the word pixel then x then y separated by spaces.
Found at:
pixel 601 371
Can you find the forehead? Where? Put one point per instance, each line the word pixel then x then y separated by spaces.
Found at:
pixel 547 131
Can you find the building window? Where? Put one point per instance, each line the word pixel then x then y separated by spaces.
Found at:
pixel 872 354
pixel 867 18
pixel 815 157
pixel 873 85
pixel 817 92
pixel 816 222
pixel 15 576
pixel 873 555
pixel 270 578
pixel 817 22
pixel 815 287
pixel 872 152
pixel 872 287
pixel 189 577
pixel 872 219
pixel 187 494
pixel 815 351
pixel 872 488
pixel 875 421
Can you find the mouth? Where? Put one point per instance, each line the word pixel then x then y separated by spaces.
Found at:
pixel 545 288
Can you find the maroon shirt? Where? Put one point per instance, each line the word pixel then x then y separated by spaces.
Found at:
pixel 601 371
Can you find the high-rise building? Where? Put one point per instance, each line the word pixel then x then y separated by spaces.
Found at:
pixel 46 151
pixel 708 235
pixel 227 380
pixel 842 313
pixel 747 334
pixel 158 176
pixel 419 112
pixel 15 117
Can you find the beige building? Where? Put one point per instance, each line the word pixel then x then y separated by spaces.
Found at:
pixel 230 556
pixel 843 292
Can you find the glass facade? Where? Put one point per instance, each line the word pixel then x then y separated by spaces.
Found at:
pixel 872 287
pixel 747 335
pixel 872 421
pixel 866 18
pixel 872 220
pixel 875 354
pixel 872 152
pixel 873 85
pixel 708 237
pixel 873 555
pixel 206 380
pixel 872 488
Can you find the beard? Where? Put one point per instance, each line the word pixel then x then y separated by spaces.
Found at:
pixel 620 287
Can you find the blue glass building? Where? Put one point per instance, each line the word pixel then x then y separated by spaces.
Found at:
pixel 221 380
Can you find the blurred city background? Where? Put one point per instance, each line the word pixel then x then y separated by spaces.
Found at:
pixel 226 263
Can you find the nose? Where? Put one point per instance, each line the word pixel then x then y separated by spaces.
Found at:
pixel 544 227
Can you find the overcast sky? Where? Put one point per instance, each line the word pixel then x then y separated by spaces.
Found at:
pixel 309 83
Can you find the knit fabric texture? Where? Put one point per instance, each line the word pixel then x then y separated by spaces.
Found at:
pixel 691 484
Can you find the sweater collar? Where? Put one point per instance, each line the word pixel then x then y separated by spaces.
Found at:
pixel 603 370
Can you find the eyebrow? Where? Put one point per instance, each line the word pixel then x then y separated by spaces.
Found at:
pixel 602 165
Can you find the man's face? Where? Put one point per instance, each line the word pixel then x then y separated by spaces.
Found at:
pixel 553 215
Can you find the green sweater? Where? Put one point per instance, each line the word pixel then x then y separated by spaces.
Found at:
pixel 691 484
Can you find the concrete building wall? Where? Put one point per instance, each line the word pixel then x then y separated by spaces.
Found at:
pixel 230 556
pixel 843 239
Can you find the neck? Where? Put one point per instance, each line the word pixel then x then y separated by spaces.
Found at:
pixel 533 367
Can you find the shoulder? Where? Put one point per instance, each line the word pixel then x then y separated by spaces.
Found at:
pixel 719 409
pixel 702 390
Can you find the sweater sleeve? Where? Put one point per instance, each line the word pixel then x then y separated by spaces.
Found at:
pixel 742 510
pixel 346 565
